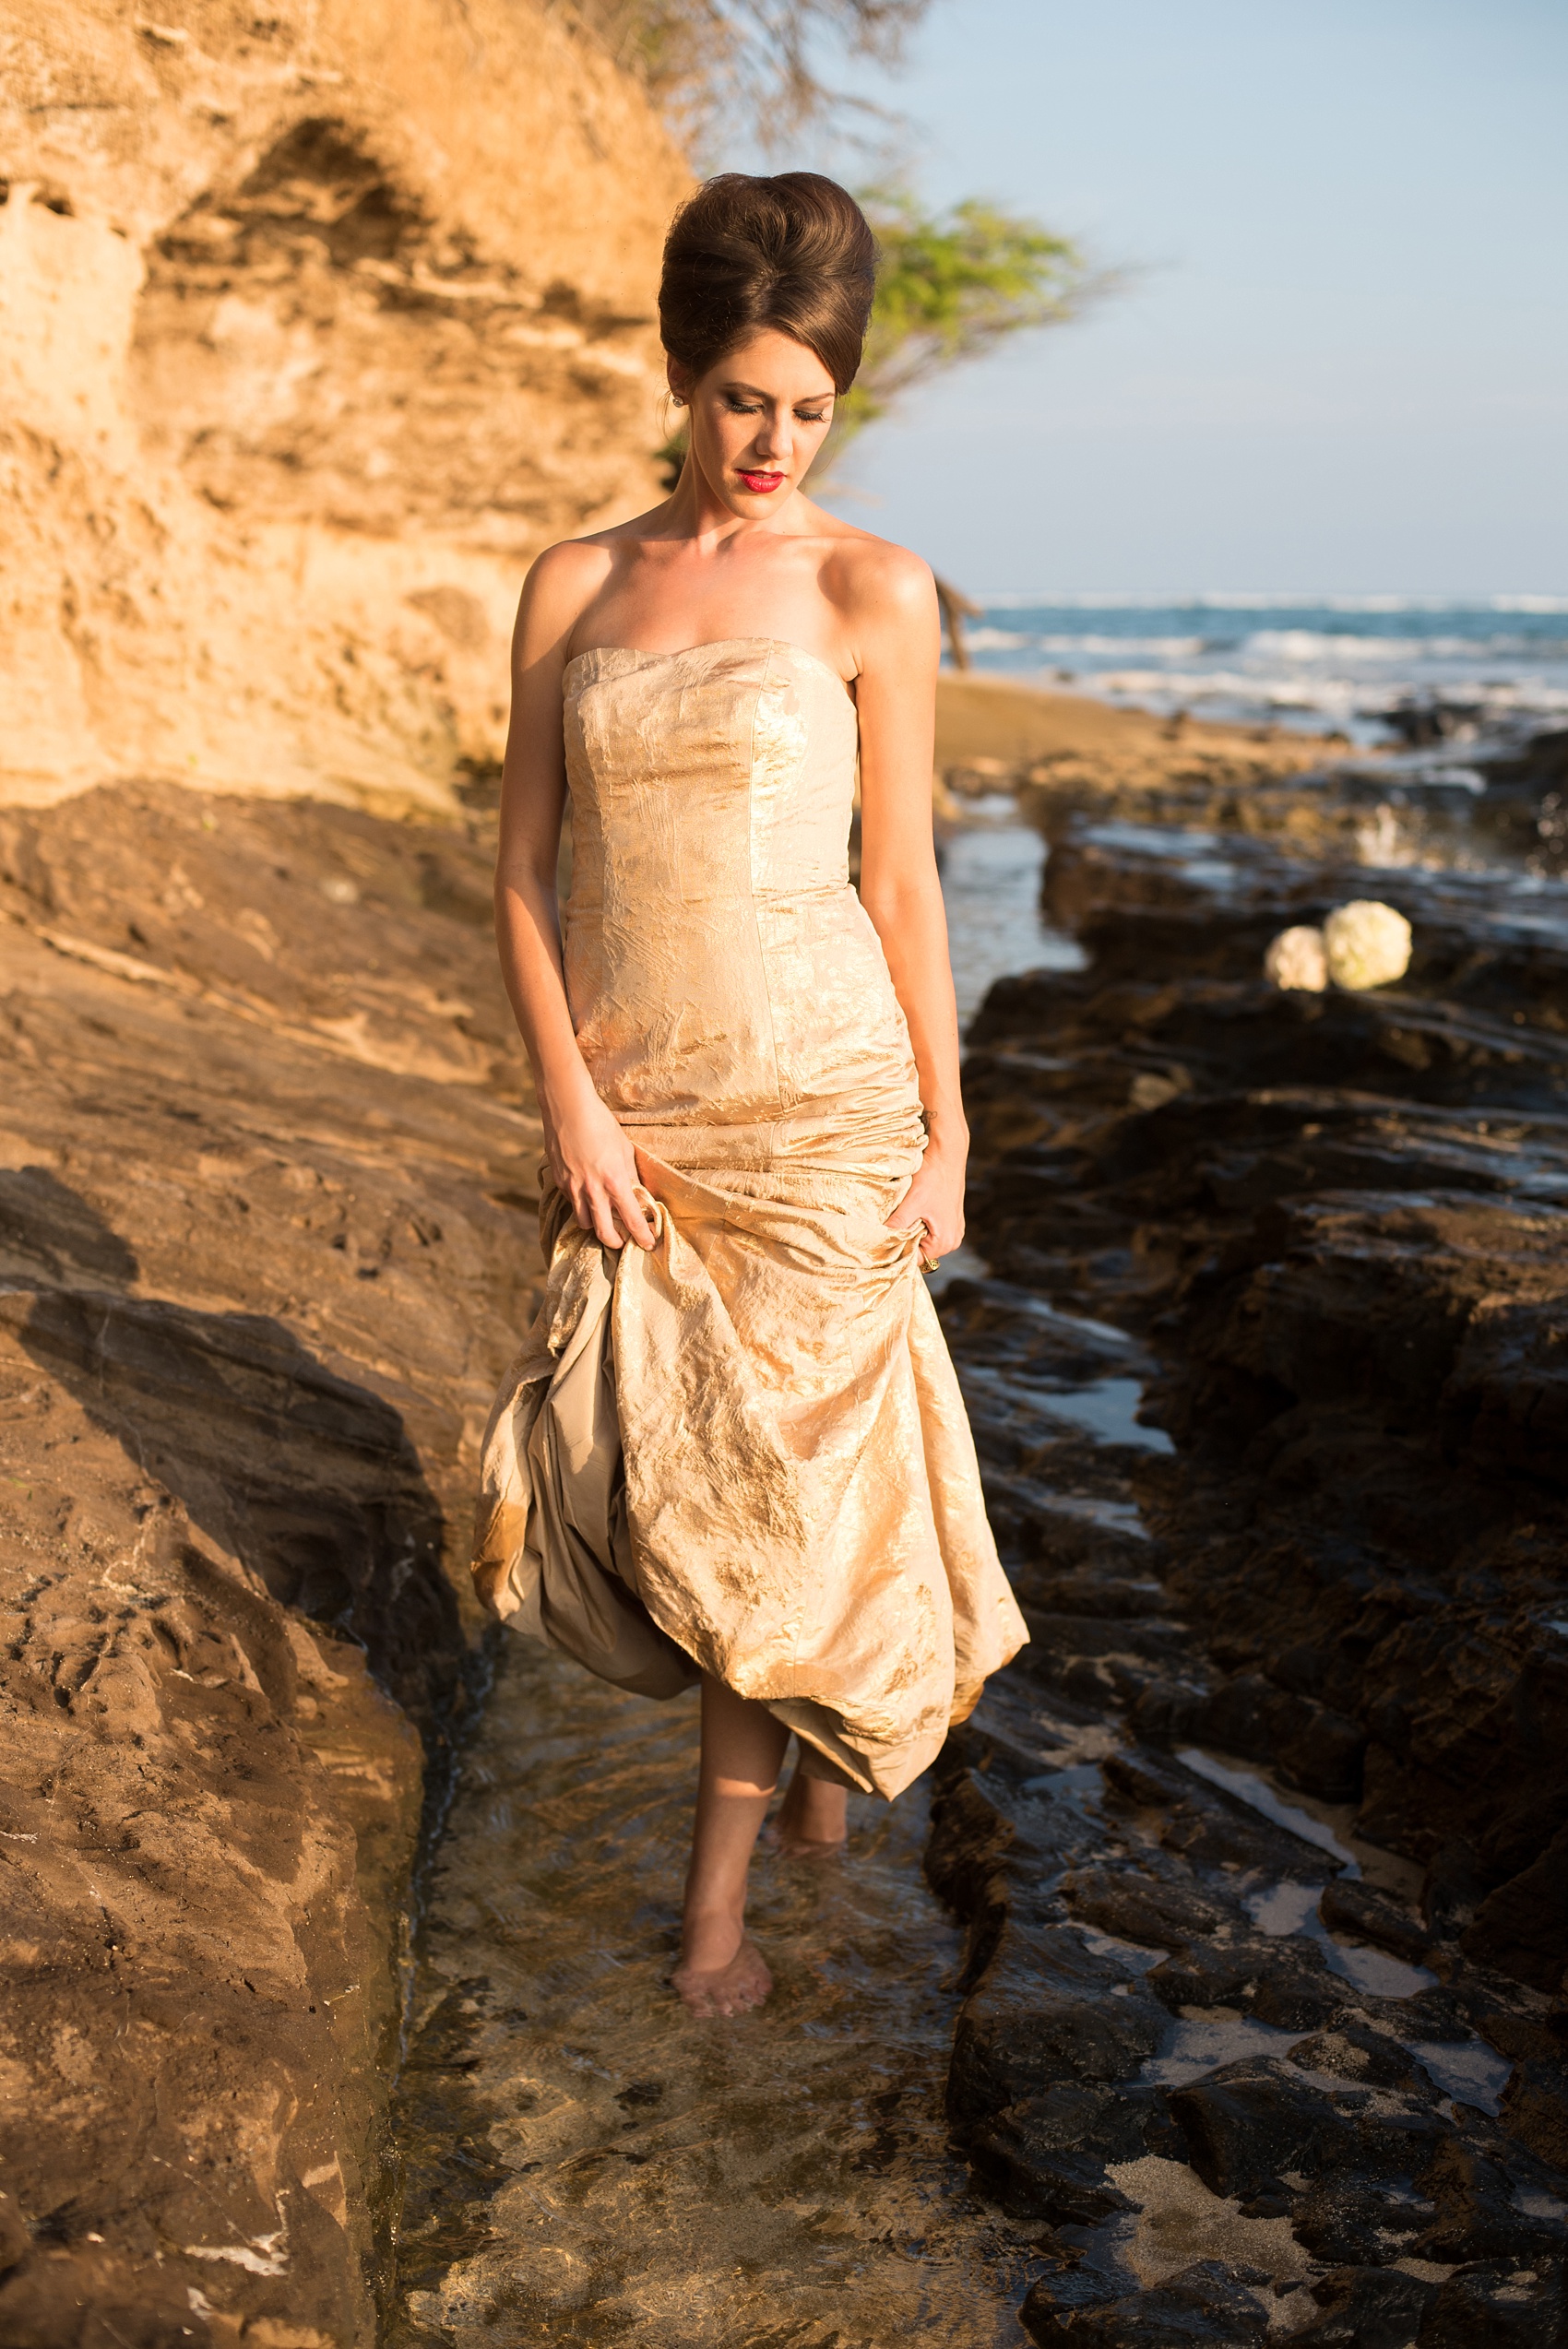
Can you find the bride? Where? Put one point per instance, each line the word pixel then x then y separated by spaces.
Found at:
pixel 732 1449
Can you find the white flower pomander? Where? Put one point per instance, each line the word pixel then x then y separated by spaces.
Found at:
pixel 1296 958
pixel 1367 944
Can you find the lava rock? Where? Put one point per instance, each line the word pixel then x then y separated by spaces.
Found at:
pixel 1048 2158
pixel 1312 1747
pixel 1535 2106
pixel 1363 1915
pixel 1203 2303
pixel 1248 2124
pixel 1367 2309
pixel 1500 2307
pixel 1017 2040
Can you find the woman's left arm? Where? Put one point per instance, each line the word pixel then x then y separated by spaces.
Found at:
pixel 899 644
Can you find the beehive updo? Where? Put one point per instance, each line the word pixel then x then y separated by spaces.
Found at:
pixel 794 253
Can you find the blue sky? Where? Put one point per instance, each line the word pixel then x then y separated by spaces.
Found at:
pixel 1341 362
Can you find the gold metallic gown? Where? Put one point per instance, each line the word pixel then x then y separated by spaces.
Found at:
pixel 744 1449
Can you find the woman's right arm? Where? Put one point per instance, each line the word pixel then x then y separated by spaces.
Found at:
pixel 590 1156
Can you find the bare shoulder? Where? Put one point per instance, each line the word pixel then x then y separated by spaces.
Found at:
pixel 571 568
pixel 561 584
pixel 562 581
pixel 885 593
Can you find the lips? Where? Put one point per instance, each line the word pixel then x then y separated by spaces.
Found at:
pixel 762 484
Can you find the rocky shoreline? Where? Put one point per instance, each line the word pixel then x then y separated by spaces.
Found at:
pixel 1261 1844
pixel 1256 1851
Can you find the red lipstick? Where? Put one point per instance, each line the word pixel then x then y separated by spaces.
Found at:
pixel 762 484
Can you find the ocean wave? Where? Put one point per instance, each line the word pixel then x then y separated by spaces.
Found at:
pixel 1304 644
pixel 1314 645
pixel 1115 600
pixel 1339 698
pixel 1172 648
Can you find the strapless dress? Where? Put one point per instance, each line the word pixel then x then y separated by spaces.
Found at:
pixel 744 1450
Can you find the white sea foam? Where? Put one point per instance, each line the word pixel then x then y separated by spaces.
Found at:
pixel 1346 661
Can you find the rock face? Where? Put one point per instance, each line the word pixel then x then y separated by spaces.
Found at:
pixel 1261 1841
pixel 316 325
pixel 266 1242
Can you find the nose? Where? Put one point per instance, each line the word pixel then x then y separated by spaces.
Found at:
pixel 775 439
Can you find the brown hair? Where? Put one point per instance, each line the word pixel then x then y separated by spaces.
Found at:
pixel 794 253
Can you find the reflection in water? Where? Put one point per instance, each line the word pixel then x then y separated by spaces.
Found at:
pixel 653 2180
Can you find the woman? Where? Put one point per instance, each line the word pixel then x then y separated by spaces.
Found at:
pixel 734 1447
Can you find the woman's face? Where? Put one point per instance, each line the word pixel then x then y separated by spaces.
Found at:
pixel 758 419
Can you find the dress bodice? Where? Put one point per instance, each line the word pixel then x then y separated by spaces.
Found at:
pixel 720 967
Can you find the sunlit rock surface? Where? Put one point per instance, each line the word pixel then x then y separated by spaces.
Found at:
pixel 266 1238
pixel 317 322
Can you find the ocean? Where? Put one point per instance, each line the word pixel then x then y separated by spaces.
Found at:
pixel 1348 662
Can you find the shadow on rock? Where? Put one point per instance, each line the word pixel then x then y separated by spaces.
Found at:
pixel 48 1229
pixel 311 1481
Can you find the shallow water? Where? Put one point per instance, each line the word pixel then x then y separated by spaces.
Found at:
pixel 587 2165
pixel 584 2163
pixel 990 871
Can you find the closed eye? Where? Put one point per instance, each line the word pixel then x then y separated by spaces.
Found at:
pixel 754 407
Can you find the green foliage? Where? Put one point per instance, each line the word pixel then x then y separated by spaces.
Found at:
pixel 951 287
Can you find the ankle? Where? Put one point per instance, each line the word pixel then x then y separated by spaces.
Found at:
pixel 709 1911
pixel 711 1937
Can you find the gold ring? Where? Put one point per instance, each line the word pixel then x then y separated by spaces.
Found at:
pixel 930 1264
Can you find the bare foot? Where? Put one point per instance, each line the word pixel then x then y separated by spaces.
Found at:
pixel 722 1970
pixel 811 1822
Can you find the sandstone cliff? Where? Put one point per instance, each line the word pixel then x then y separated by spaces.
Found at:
pixel 316 321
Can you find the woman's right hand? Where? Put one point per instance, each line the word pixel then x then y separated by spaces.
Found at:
pixel 594 1164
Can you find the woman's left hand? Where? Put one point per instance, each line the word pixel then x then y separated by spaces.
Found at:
pixel 935 1198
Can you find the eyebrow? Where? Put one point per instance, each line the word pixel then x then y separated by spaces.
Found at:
pixel 811 399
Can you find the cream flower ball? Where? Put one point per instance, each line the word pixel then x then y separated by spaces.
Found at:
pixel 1367 944
pixel 1296 958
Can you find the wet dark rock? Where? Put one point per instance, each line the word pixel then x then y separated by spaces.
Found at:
pixel 1312 1747
pixel 1159 1906
pixel 1047 2011
pixel 1473 2184
pixel 1326 1237
pixel 1356 2053
pixel 1205 1825
pixel 1203 2303
pixel 1367 2309
pixel 1522 1927
pixel 1046 2157
pixel 1499 2307
pixel 1248 2125
pixel 1360 1270
pixel 1535 2106
pixel 1363 1915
